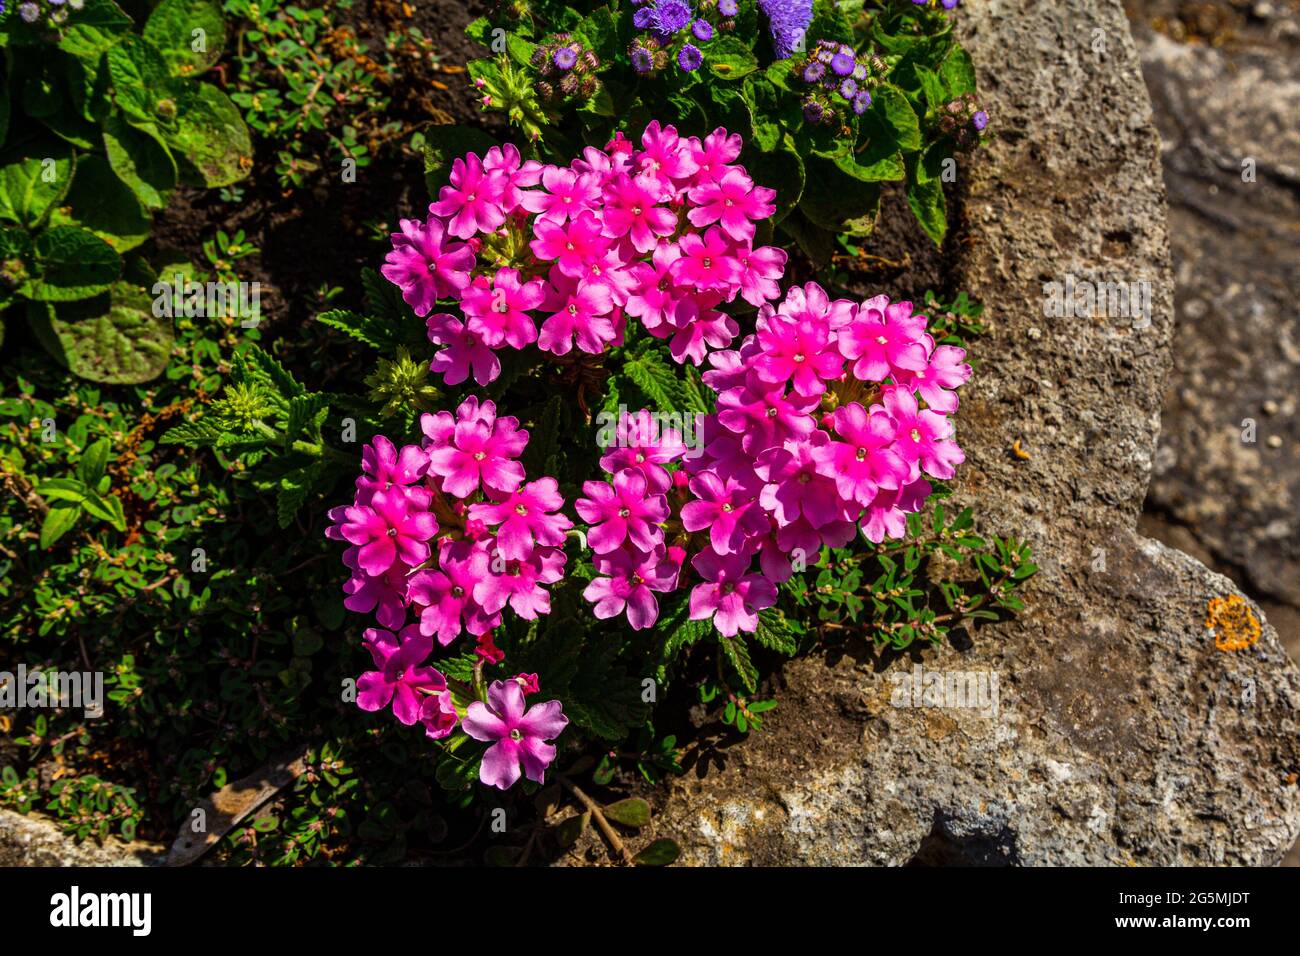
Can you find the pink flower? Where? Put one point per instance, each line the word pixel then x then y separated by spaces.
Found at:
pixel 506 161
pixel 799 352
pixel 445 596
pixel 945 370
pixel 519 583
pixel 760 270
pixel 569 244
pixel 384 466
pixel 517 736
pixel 714 154
pixel 399 677
pixel 496 310
pixel 577 311
pixel 886 516
pixel 732 201
pixel 665 156
pixel 699 324
pixel 567 193
pixel 391 528
pixel 629 578
pixel 384 594
pixel 794 487
pixel 424 265
pixel 525 519
pixel 864 461
pixel 656 297
pixel 706 261
pixel 480 453
pixel 726 508
pixel 473 199
pixel 922 435
pixel 730 596
pixel 462 351
pixel 438 714
pixel 622 512
pixel 884 338
pixel 641 445
pixel 630 210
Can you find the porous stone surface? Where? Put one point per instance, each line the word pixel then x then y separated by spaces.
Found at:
pixel 1122 736
pixel 36 841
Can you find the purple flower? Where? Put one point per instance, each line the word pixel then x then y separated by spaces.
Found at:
pixel 980 120
pixel 788 21
pixel 861 102
pixel 690 58
pixel 727 8
pixel 814 71
pixel 702 29
pixel 565 58
pixel 517 735
pixel 643 61
pixel 950 4
pixel 664 17
pixel 843 63
pixel 29 12
pixel 643 17
pixel 813 111
pixel 849 88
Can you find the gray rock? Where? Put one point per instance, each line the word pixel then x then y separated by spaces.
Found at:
pixel 35 841
pixel 1122 735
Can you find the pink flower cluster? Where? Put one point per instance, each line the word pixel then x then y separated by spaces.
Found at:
pixel 452 530
pixel 818 433
pixel 557 256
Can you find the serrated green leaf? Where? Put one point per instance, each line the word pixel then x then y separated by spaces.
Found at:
pixel 177 27
pixel 71 264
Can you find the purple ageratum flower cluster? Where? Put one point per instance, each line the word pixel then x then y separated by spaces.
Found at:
pixel 841 77
pixel 448 531
pixel 788 22
pixel 963 120
pixel 946 4
pixel 663 17
pixel 567 68
pixel 665 20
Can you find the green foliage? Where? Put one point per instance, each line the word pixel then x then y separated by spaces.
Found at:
pixel 828 173
pixel 102 119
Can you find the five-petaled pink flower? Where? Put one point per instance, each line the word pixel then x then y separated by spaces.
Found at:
pixel 517 736
pixel 472 201
pixel 399 678
pixel 627 582
pixel 622 512
pixel 479 452
pixel 425 265
pixel 731 596
pixel 524 519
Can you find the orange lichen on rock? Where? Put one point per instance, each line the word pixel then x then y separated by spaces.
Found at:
pixel 1234 624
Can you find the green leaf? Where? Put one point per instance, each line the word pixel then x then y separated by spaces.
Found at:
pixel 101 202
pixel 58 522
pixel 305 415
pixel 173 29
pixel 71 264
pixel 63 489
pixel 94 460
pixel 93 29
pixel 113 338
pixel 141 161
pixel 781 169
pixel 660 853
pixel 958 72
pixel 929 207
pixel 364 328
pixel 34 180
pixel 210 140
pixel 141 79
pixel 774 634
pixel 892 106
pixel 737 653
pixel 729 58
pixel 632 812
pixel 107 508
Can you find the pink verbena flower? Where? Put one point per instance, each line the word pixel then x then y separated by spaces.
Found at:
pixel 444 597
pixel 665 156
pixel 622 512
pixel 425 265
pixel 525 518
pixel 517 736
pixel 945 370
pixel 516 174
pixel 581 312
pixel 519 583
pixel 731 596
pixel 569 245
pixel 383 466
pixel 496 309
pixel 564 194
pixel 883 339
pixel 707 261
pixel 384 594
pixel 713 156
pixel 640 444
pixel 631 210
pixel 733 202
pixel 473 200
pixel 922 436
pixel 399 678
pixel 479 452
pixel 393 527
pixel 800 352
pixel 463 351
pixel 865 460
pixel 759 271
pixel 627 582
pixel 728 508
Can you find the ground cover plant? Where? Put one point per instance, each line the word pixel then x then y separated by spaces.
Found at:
pixel 522 523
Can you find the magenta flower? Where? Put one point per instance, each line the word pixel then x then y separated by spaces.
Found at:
pixel 525 518
pixel 399 678
pixel 727 508
pixel 581 312
pixel 730 596
pixel 444 597
pixel 472 202
pixel 794 487
pixel 567 193
pixel 462 351
pixel 516 174
pixel 800 352
pixel 945 370
pixel 424 265
pixel 622 512
pixel 517 737
pixel 713 156
pixel 706 261
pixel 883 339
pixel 921 436
pixel 759 271
pixel 570 245
pixel 665 156
pixel 630 210
pixel 383 466
pixel 641 445
pixel 519 583
pixel 865 460
pixel 656 298
pixel 734 202
pixel 438 714
pixel 496 310
pixel 628 581
pixel 886 516
pixel 384 594
pixel 391 528
pixel 479 452
pixel 699 325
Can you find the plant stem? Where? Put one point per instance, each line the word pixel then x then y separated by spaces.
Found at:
pixel 594 809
